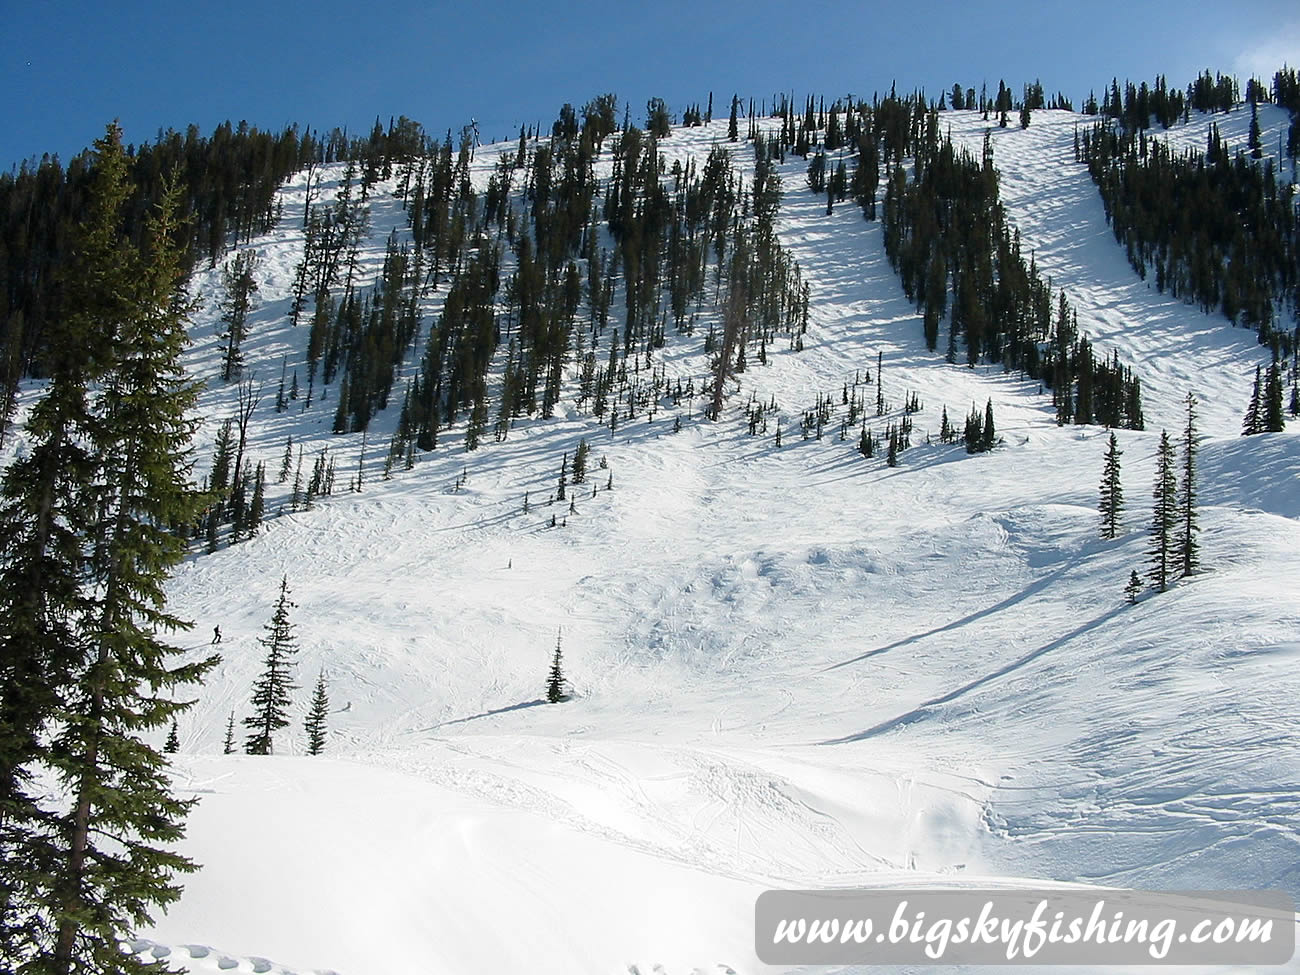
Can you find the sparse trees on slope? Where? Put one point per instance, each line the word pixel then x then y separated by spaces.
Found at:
pixel 1112 493
pixel 271 691
pixel 240 285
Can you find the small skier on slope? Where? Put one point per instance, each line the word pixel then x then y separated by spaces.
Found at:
pixel 216 635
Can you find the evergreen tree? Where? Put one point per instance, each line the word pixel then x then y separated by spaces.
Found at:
pixel 100 858
pixel 1112 493
pixel 1134 587
pixel 271 691
pixel 42 501
pixel 286 464
pixel 555 682
pixel 241 285
pixel 228 746
pixel 580 461
pixel 173 744
pixel 1186 546
pixel 1274 421
pixel 1253 141
pixel 988 436
pixel 1254 420
pixel 257 507
pixel 1164 519
pixel 316 717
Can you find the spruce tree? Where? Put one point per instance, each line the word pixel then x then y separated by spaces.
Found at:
pixel 240 284
pixel 1134 587
pixel 988 436
pixel 228 746
pixel 1164 519
pixel 1112 493
pixel 580 461
pixel 1186 546
pixel 316 717
pixel 44 497
pixel 173 743
pixel 271 691
pixel 555 682
pixel 1253 423
pixel 104 852
pixel 1273 420
pixel 286 463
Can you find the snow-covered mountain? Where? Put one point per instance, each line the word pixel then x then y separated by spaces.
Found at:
pixel 792 667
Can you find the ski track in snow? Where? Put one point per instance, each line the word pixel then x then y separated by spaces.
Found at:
pixel 792 667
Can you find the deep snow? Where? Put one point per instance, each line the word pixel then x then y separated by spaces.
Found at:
pixel 792 667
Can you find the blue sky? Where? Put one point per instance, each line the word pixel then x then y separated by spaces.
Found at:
pixel 68 68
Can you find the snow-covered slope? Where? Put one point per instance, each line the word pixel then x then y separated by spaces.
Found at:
pixel 793 667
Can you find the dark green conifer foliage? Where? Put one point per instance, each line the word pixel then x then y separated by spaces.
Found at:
pixel 271 691
pixel 1273 420
pixel 173 743
pixel 1186 547
pixel 241 285
pixel 101 859
pixel 580 461
pixel 42 500
pixel 1253 139
pixel 1111 502
pixel 555 681
pixel 988 436
pixel 228 746
pixel 317 717
pixel 1134 587
pixel 1164 518
pixel 1253 422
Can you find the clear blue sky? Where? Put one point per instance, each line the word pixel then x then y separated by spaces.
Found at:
pixel 68 68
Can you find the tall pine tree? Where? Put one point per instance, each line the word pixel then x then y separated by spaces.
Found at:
pixel 1186 546
pixel 97 861
pixel 317 716
pixel 1164 518
pixel 1111 502
pixel 271 691
pixel 555 681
